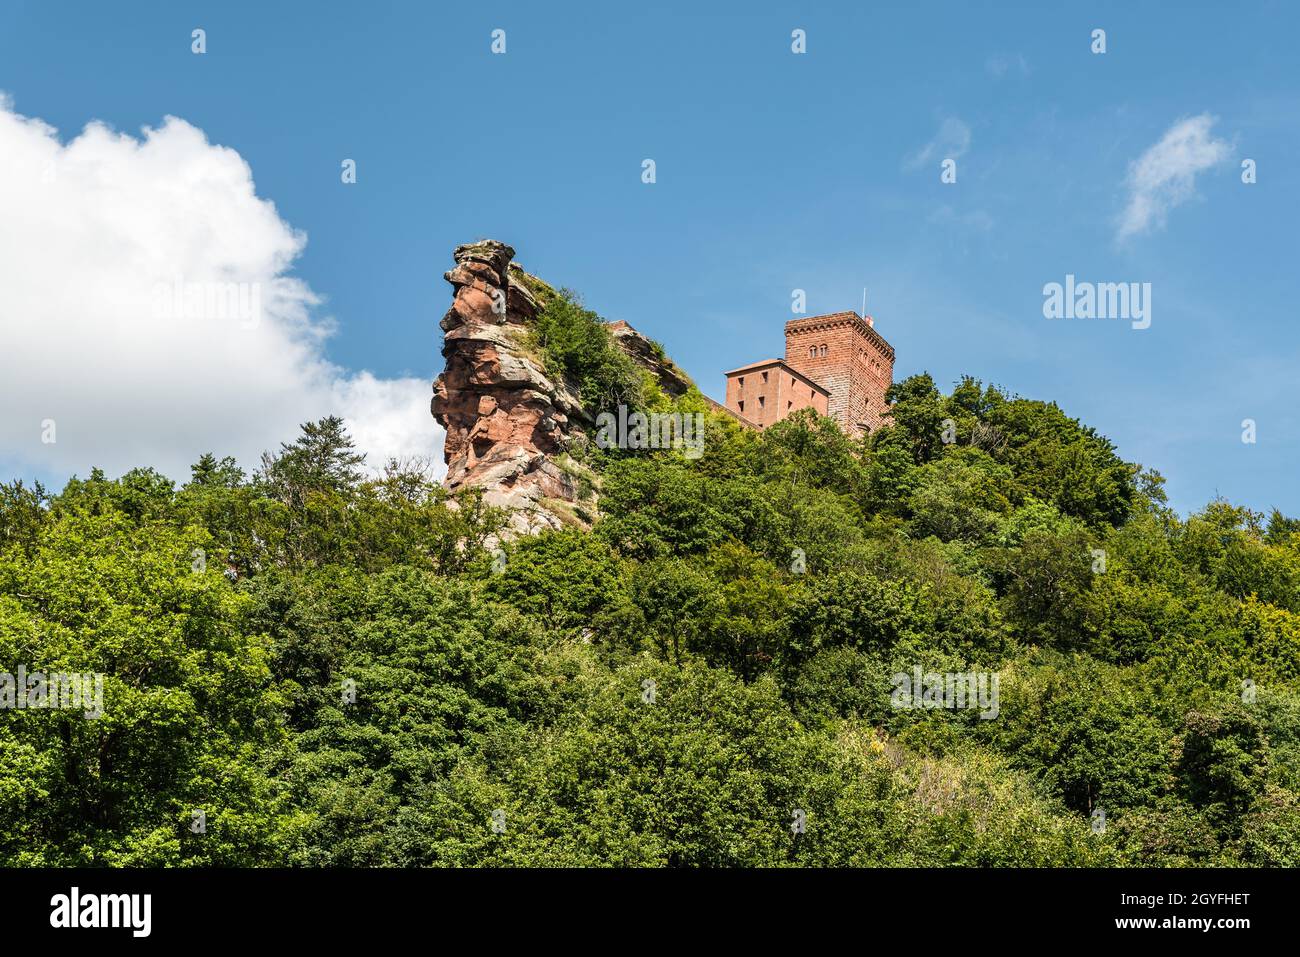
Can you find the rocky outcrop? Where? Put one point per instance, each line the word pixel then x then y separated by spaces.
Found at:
pixel 648 354
pixel 506 421
pixel 510 426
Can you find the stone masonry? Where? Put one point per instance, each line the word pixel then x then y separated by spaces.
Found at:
pixel 842 355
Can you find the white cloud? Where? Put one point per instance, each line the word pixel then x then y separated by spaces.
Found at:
pixel 1165 175
pixel 952 140
pixel 389 418
pixel 112 249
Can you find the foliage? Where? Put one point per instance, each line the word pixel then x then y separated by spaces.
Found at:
pixel 340 668
pixel 578 348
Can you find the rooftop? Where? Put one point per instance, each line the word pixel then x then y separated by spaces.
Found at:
pixel 769 363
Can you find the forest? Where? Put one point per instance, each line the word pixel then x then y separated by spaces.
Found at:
pixel 318 664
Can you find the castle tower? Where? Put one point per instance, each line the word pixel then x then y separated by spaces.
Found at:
pixel 844 353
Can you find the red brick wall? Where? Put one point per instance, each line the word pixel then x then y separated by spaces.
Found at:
pixel 765 393
pixel 844 354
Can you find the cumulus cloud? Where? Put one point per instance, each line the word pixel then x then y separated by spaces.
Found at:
pixel 1165 175
pixel 952 140
pixel 389 418
pixel 148 312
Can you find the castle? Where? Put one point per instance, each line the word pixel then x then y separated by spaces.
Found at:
pixel 510 425
pixel 836 364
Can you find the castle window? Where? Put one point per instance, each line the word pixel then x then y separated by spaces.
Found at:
pixel 760 402
pixel 764 376
pixel 742 382
pixel 823 351
pixel 742 405
pixel 812 352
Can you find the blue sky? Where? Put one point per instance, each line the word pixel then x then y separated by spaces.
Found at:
pixel 775 171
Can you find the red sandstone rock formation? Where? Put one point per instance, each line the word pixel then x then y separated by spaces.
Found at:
pixel 508 423
pixel 505 419
pixel 649 355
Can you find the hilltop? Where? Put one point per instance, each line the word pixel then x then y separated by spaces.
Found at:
pixel 975 636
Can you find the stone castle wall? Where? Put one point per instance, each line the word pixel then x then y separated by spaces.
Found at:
pixel 843 353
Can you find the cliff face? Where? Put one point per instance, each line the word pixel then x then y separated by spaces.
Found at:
pixel 506 421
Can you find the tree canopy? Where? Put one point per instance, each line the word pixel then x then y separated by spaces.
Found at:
pixel 324 665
